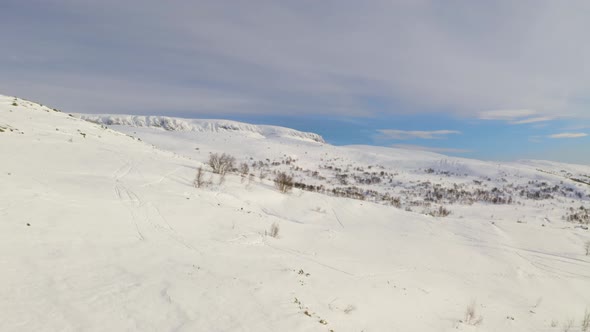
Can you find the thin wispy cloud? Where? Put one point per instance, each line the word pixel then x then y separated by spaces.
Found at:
pixel 532 120
pixel 515 117
pixel 506 115
pixel 396 134
pixel 568 135
pixel 430 148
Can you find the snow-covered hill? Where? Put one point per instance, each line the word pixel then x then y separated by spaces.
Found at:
pixel 412 180
pixel 207 126
pixel 101 229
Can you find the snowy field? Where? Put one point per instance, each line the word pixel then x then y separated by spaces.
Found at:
pixel 102 229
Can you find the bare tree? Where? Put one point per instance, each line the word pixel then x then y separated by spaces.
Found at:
pixel 199 178
pixel 221 164
pixel 284 182
pixel 221 178
pixel 244 169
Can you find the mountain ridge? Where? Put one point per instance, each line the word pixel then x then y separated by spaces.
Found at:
pixel 199 125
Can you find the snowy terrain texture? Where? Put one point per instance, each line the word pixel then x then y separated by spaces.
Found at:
pixel 102 229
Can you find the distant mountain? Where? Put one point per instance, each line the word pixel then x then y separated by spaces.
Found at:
pixel 180 124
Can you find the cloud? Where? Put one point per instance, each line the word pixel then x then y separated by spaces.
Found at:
pixel 568 135
pixel 532 120
pixel 508 115
pixel 328 57
pixel 516 116
pixel 430 148
pixel 414 134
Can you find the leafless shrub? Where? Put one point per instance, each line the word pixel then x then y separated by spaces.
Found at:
pixel 567 326
pixel 587 247
pixel 274 230
pixel 586 320
pixel 471 317
pixel 199 178
pixel 284 182
pixel 349 309
pixel 244 169
pixel 221 178
pixel 221 164
pixel 262 174
pixel 440 212
pixel 395 201
pixel 580 215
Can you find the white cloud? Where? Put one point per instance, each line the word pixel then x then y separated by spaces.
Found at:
pixel 532 120
pixel 568 135
pixel 429 148
pixel 414 134
pixel 508 115
pixel 516 116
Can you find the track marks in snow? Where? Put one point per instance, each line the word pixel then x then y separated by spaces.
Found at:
pixel 557 264
pixel 307 258
pixel 147 219
pixel 165 176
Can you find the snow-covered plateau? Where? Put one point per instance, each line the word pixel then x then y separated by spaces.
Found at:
pixel 102 228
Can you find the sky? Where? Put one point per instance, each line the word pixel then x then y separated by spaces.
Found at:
pixel 494 80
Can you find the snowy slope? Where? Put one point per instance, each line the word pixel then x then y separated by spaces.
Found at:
pixel 101 231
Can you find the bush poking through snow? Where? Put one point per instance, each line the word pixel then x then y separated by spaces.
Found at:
pixel 199 178
pixel 581 215
pixel 284 182
pixel 221 164
pixel 471 317
pixel 440 212
pixel 274 230
pixel 244 169
pixel 585 327
pixel 587 247
pixel 221 178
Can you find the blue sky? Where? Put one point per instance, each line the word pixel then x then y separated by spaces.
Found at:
pixel 499 80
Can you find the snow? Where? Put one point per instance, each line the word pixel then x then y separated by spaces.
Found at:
pixel 101 229
pixel 177 124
